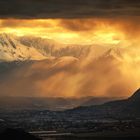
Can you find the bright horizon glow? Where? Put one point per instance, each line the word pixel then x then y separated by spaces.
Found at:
pixel 102 33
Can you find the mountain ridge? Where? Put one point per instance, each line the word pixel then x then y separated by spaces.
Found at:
pixel 136 95
pixel 43 103
pixel 120 108
pixel 12 50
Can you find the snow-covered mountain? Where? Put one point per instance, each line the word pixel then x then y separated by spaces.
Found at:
pixel 49 47
pixel 114 53
pixel 12 50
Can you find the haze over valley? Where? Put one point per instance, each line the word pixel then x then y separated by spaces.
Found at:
pixel 38 67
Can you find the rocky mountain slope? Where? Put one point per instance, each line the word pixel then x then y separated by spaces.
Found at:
pixel 49 47
pixel 12 50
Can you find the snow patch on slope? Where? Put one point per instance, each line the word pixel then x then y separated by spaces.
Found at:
pixel 12 50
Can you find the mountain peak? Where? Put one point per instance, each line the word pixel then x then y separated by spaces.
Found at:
pixel 115 53
pixel 7 40
pixel 12 50
pixel 6 35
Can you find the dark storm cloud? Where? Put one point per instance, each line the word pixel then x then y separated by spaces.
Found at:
pixel 68 8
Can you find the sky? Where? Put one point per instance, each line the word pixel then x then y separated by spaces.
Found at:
pixel 77 21
pixel 68 8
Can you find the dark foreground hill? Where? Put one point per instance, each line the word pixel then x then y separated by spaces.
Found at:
pixel 49 103
pixel 116 109
pixel 16 134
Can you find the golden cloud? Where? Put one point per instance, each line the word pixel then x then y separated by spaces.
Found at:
pixel 75 30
